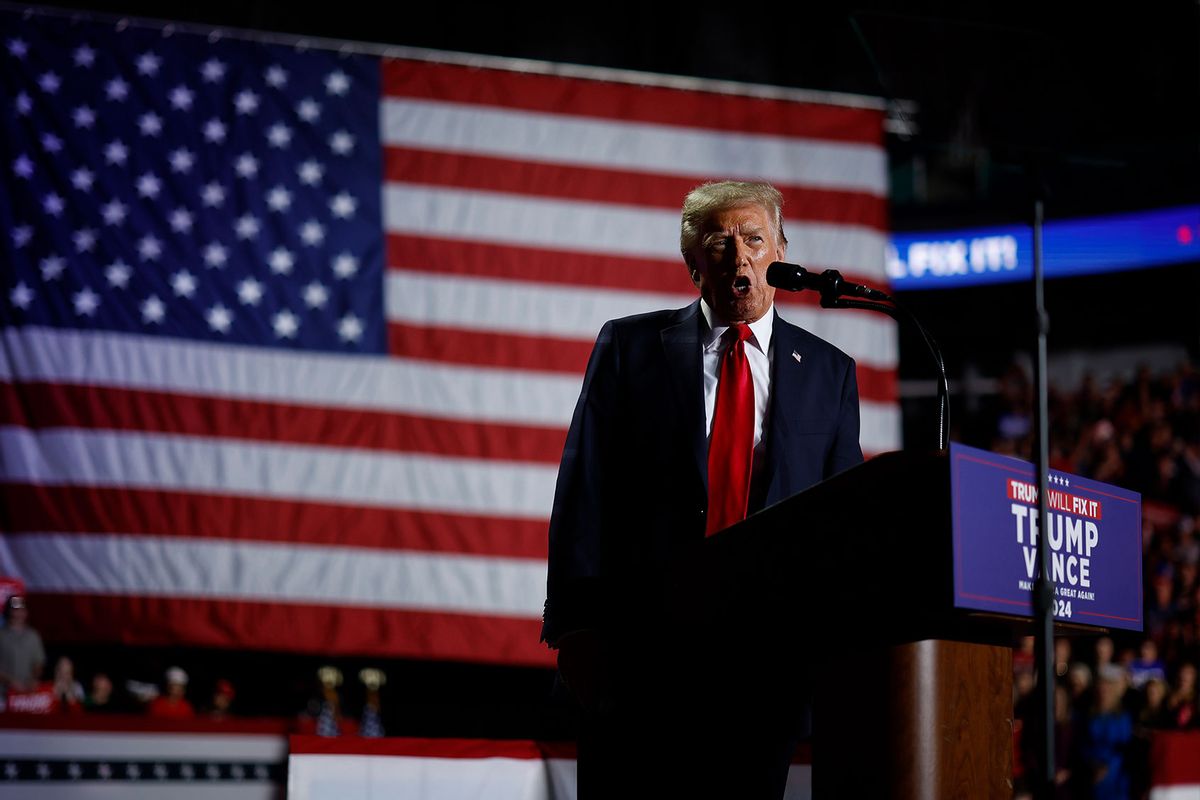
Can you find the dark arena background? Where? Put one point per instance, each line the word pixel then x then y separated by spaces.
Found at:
pixel 297 303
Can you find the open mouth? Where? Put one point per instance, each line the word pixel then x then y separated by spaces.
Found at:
pixel 741 286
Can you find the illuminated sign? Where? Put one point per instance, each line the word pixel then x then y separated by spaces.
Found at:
pixel 943 259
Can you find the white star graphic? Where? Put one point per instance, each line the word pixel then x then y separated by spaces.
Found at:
pixel 219 318
pixel 181 98
pixel 49 82
pixel 149 248
pixel 117 274
pixel 115 152
pixel 53 205
pixel 247 227
pixel 23 166
pixel 153 311
pixel 337 83
pixel 308 109
pixel 212 70
pixel 113 212
pixel 181 220
pixel 215 255
pixel 43 770
pixel 285 324
pixel 83 117
pixel 183 283
pixel 52 267
pixel 350 328
pixel 312 233
pixel 150 124
pixel 182 160
pixel 149 185
pixel 148 64
pixel 279 135
pixel 22 235
pixel 74 771
pixel 281 261
pixel 116 89
pixel 213 195
pixel 214 131
pixel 82 179
pixel 104 771
pixel 85 240
pixel 24 103
pixel 246 166
pixel 85 56
pixel 275 76
pixel 246 102
pixel 86 302
pixel 21 295
pixel 249 292
pixel 315 295
pixel 341 143
pixel 343 205
pixel 237 771
pixel 18 48
pixel 279 199
pixel 186 772
pixel 345 266
pixel 310 173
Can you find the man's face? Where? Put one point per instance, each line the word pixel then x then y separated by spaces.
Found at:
pixel 729 266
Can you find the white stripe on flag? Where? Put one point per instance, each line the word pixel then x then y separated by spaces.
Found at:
pixel 572 312
pixel 263 571
pixel 64 456
pixel 604 228
pixel 324 777
pixel 644 147
pixel 372 383
pixel 870 339
pixel 129 746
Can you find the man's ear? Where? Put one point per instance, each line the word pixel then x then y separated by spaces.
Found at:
pixel 692 271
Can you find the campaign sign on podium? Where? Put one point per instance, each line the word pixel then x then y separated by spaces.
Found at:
pixel 1095 538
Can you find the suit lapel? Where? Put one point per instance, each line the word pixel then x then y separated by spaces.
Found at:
pixel 787 373
pixel 681 343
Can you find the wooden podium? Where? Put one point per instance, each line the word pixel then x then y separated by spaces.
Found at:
pixel 851 583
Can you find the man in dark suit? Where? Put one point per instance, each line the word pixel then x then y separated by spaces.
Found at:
pixel 688 420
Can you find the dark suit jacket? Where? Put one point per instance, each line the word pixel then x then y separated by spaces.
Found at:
pixel 633 484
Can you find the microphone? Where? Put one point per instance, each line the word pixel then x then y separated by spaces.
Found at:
pixel 795 278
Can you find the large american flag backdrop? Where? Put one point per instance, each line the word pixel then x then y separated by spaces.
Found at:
pixel 292 335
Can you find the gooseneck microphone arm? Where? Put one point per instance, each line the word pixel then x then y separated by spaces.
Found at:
pixel 834 290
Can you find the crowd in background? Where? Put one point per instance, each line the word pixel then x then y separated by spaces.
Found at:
pixel 1142 434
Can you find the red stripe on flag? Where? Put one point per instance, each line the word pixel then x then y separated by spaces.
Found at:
pixel 327 630
pixel 487 348
pixel 48 405
pixel 558 267
pixel 490 349
pixel 1175 758
pixel 612 186
pixel 84 509
pixel 404 747
pixel 626 102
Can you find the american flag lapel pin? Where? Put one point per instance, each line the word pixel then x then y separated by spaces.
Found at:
pixel 796 356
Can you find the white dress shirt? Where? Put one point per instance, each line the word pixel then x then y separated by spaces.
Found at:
pixel 758 353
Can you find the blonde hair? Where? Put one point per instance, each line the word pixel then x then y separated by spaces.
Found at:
pixel 707 198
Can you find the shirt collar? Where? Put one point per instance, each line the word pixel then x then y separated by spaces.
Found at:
pixel 760 328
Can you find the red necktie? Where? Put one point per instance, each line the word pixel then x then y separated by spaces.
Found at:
pixel 731 447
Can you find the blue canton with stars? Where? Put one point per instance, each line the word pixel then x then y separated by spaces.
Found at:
pixel 189 186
